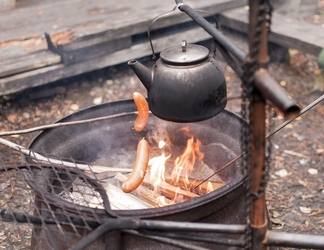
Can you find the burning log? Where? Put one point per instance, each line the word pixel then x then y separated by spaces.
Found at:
pixel 205 187
pixel 146 194
pixel 122 201
pixel 171 191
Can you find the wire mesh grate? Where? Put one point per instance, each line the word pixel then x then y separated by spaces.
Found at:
pixel 46 206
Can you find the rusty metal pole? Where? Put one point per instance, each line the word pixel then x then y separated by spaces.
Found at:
pixel 259 220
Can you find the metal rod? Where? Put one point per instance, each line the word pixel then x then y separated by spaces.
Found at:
pixel 63 124
pixel 192 226
pixel 125 223
pixel 281 126
pixel 221 169
pixel 210 29
pixel 275 94
pixel 155 227
pixel 41 159
pixel 283 239
pixel 151 24
pixel 61 218
pixel 220 240
pixel 272 238
pixel 108 226
pixel 229 60
pixel 172 242
pixel 303 111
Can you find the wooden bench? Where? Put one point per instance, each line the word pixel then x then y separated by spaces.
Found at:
pixel 285 31
pixel 88 35
pixel 83 36
pixel 7 4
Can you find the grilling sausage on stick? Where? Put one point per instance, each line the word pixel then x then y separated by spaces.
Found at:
pixel 143 111
pixel 136 177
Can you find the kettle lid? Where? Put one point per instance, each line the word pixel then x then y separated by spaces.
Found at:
pixel 187 54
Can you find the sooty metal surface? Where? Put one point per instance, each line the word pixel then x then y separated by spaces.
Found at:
pixel 109 142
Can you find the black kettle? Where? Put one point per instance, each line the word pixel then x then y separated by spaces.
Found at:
pixel 185 85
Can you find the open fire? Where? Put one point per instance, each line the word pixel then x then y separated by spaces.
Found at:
pixel 112 144
pixel 169 178
pixel 183 167
pixel 167 170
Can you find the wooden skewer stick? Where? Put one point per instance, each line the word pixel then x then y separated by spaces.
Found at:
pixel 63 124
pixel 40 159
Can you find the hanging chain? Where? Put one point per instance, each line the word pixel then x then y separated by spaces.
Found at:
pixel 272 115
pixel 264 15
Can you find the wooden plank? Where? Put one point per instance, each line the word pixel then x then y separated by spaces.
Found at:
pixel 92 40
pixel 286 32
pixel 138 19
pixel 73 54
pixel 7 4
pixel 89 28
pixel 86 18
pixel 41 76
pixel 28 62
pixel 21 47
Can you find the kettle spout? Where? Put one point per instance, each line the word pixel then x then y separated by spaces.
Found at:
pixel 142 72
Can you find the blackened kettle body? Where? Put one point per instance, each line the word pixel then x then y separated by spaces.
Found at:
pixel 185 85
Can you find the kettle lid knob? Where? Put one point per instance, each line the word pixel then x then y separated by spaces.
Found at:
pixel 184 45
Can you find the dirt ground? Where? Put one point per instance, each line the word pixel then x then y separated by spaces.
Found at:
pixel 295 191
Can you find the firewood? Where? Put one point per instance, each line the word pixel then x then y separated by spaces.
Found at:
pixel 203 188
pixel 122 201
pixel 147 195
pixel 171 191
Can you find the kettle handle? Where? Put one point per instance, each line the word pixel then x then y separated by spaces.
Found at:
pixel 154 20
pixel 169 13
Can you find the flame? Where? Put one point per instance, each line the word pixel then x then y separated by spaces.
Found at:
pixel 184 164
pixel 182 168
pixel 162 201
pixel 209 187
pixel 162 144
pixel 157 170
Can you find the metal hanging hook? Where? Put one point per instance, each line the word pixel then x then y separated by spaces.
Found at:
pixel 154 20
pixel 169 13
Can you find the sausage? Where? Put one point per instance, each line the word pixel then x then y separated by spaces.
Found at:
pixel 143 111
pixel 136 177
